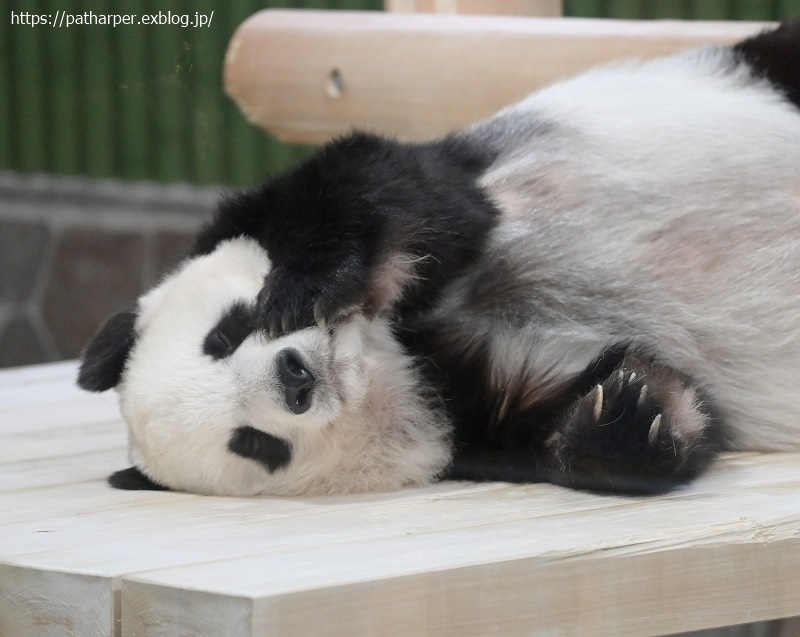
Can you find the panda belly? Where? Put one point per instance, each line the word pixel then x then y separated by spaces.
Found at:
pixel 673 224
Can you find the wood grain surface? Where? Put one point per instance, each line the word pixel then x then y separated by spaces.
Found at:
pixel 307 76
pixel 79 558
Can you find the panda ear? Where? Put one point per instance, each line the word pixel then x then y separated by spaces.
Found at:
pixel 131 479
pixel 105 356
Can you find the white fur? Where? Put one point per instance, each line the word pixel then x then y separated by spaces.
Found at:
pixel 661 201
pixel 366 430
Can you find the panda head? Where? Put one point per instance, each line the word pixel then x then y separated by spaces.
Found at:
pixel 215 406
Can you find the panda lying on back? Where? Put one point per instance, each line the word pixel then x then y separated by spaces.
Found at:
pixel 598 287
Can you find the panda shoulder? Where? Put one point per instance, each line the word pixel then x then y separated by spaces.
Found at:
pixel 775 56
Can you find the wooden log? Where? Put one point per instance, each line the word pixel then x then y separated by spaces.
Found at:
pixel 540 8
pixel 306 76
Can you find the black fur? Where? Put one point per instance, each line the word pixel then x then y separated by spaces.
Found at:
pixel 775 55
pixel 132 479
pixel 532 430
pixel 272 452
pixel 331 224
pixel 235 326
pixel 104 358
pixel 615 451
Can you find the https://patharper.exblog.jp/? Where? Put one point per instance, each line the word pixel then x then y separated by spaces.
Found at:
pixel 66 19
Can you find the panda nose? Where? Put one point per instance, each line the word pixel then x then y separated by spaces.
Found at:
pixel 297 380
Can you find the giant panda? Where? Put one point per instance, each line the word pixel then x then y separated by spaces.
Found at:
pixel 599 287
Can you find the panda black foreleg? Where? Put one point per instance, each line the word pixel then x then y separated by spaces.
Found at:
pixel 645 428
pixel 626 423
pixel 366 223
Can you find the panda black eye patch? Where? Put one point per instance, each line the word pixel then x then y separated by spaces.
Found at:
pixel 235 326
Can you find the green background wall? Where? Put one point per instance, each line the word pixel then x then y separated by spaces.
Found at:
pixel 146 103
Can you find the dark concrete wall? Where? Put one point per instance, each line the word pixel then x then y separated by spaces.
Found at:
pixel 73 251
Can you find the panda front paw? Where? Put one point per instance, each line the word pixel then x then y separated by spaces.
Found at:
pixel 291 301
pixel 619 415
pixel 638 431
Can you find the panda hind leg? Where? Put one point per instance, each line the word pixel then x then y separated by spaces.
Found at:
pixel 643 429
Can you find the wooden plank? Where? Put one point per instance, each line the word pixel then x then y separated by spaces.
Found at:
pixel 38 390
pixel 18 376
pixel 72 410
pixel 51 391
pixel 129 527
pixel 41 419
pixel 492 599
pixel 657 566
pixel 78 557
pixel 31 605
pixel 100 534
pixel 57 517
pixel 157 530
pixel 134 531
pixel 309 75
pixel 77 466
pixel 58 441
pixel 41 397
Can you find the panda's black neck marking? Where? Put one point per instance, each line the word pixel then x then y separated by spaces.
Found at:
pixel 774 55
pixel 272 452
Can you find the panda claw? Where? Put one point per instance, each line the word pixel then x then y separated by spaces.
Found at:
pixel 642 396
pixel 274 329
pixel 319 317
pixel 598 402
pixel 655 427
pixel 632 377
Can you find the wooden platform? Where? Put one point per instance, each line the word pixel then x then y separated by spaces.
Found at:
pixel 78 558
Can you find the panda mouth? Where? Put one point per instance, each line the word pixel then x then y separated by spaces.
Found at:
pixel 298 381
